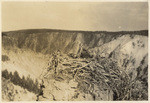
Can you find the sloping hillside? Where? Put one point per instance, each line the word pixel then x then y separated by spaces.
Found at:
pixel 25 62
pixel 11 92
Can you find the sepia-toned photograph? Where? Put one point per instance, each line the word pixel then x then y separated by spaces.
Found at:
pixel 74 51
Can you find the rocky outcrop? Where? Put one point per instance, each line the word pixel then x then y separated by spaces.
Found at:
pixel 77 79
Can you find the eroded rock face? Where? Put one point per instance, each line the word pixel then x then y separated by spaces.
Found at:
pixel 49 41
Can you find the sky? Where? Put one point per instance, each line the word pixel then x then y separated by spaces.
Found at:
pixel 86 16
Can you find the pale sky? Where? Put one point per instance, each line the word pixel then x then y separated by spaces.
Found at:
pixel 98 16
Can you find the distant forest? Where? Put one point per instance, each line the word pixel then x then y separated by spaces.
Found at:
pixel 30 31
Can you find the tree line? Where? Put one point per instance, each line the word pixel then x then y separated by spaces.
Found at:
pixel 26 83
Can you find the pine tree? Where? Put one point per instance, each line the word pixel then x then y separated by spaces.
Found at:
pixel 23 82
pixel 16 78
pixel 5 74
pixel 10 75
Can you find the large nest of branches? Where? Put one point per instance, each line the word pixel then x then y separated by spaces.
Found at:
pixel 106 74
pixel 103 75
